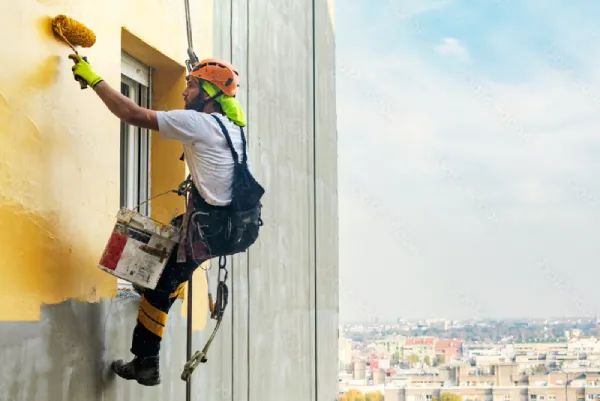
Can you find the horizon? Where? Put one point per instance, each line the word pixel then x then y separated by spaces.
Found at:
pixel 515 319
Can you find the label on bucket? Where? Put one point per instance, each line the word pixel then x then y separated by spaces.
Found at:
pixel 114 250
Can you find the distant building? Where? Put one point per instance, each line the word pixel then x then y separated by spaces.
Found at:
pixel 421 347
pixel 498 383
pixel 584 346
pixel 539 348
pixel 344 353
pixel 450 350
pixel 359 370
pixel 390 345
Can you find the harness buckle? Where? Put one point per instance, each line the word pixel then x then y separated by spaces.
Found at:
pixel 185 187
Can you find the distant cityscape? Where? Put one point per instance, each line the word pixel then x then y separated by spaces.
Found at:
pixel 478 360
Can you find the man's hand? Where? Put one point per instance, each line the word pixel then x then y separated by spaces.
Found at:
pixel 84 70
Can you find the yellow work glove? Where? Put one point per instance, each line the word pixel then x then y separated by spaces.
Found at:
pixel 82 70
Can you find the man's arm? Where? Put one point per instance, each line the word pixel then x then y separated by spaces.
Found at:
pixel 121 106
pixel 125 108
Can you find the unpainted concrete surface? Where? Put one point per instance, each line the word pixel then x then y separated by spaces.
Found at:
pixel 66 355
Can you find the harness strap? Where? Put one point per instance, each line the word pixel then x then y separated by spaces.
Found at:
pixel 185 186
pixel 230 144
pixel 228 138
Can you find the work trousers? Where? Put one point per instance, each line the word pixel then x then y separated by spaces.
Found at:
pixel 155 305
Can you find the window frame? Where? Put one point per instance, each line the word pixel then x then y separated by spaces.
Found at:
pixel 135 165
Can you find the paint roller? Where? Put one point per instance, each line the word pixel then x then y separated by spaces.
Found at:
pixel 74 33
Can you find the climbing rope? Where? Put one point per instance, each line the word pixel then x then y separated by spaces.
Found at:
pixel 216 313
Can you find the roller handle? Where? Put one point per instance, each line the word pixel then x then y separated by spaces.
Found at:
pixel 82 82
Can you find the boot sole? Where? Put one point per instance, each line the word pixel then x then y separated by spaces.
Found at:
pixel 148 382
pixel 143 382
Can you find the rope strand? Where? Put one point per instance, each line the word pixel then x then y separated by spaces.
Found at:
pixel 154 197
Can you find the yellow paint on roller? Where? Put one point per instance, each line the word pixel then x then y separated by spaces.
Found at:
pixel 76 33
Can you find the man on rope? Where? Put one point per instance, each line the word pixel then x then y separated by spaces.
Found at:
pixel 223 201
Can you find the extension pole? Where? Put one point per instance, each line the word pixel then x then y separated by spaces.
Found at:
pixel 188 384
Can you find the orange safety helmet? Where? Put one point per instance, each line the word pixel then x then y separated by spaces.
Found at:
pixel 220 73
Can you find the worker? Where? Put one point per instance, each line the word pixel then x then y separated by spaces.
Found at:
pixel 210 127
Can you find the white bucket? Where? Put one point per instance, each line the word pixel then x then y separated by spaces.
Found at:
pixel 138 248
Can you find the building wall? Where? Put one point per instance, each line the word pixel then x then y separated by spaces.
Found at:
pixel 284 313
pixel 59 193
pixel 506 393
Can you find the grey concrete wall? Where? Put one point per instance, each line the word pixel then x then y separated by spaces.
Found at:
pixel 278 340
pixel 326 195
pixel 66 355
pixel 282 333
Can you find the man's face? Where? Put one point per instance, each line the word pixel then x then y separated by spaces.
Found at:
pixel 191 91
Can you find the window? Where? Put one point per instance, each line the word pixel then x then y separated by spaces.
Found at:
pixel 136 82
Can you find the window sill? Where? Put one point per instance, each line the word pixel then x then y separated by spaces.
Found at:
pixel 124 292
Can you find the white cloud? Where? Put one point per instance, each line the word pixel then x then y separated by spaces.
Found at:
pixel 533 191
pixel 517 150
pixel 409 104
pixel 452 47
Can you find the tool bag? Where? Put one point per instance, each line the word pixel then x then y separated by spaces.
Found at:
pixel 231 229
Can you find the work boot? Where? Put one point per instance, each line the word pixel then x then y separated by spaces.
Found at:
pixel 145 370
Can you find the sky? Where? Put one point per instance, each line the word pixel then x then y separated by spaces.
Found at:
pixel 469 158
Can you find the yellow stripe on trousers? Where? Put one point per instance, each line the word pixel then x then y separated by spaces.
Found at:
pixel 150 324
pixel 154 313
pixel 152 318
pixel 176 293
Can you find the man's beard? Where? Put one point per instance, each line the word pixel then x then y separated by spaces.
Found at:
pixel 197 104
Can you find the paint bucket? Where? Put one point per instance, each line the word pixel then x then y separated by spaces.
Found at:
pixel 138 248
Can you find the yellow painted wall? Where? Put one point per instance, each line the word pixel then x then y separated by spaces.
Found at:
pixel 59 145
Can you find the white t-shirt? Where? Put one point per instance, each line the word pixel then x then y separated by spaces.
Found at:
pixel 205 148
